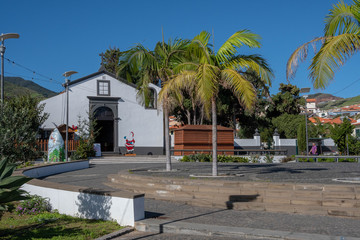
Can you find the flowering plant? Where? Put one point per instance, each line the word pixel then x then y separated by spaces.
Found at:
pixel 34 205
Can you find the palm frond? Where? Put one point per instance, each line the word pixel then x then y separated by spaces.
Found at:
pixel 207 84
pixel 341 19
pixel 333 54
pixel 242 88
pixel 238 39
pixel 179 82
pixel 184 65
pixel 298 56
pixel 255 63
pixel 199 47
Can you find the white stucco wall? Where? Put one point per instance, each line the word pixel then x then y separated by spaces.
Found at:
pixel 246 142
pixel 147 124
pixel 124 210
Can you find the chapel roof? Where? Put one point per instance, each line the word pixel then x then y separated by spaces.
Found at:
pixel 102 70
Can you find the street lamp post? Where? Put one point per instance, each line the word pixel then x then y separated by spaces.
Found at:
pixel 306 90
pixel 3 37
pixel 66 85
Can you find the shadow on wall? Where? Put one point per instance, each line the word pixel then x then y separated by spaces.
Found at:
pixel 94 204
pixel 240 198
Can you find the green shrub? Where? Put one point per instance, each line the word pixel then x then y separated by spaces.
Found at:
pixel 87 134
pixel 269 158
pixel 306 159
pixel 33 206
pixel 288 159
pixel 185 159
pixel 347 160
pixel 208 158
pixel 254 159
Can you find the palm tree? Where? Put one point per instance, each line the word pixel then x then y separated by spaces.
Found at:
pixel 155 67
pixel 340 41
pixel 224 68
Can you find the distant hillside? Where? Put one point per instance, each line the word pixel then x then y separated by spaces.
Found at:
pixel 340 103
pixel 324 97
pixel 15 86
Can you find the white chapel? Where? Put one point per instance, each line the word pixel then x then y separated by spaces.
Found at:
pixel 118 111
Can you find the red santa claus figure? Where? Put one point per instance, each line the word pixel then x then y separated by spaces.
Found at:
pixel 129 144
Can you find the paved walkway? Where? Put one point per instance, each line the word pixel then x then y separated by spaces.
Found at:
pixel 172 217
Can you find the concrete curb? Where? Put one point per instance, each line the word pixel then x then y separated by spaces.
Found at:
pixel 119 233
pixel 168 226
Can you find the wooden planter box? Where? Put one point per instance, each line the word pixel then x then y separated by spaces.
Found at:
pixel 199 139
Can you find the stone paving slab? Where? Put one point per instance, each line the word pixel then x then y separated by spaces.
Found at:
pixel 323 225
pixel 166 226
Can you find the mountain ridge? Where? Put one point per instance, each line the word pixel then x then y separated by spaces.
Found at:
pixel 15 86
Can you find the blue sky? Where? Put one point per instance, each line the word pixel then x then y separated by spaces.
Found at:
pixel 58 36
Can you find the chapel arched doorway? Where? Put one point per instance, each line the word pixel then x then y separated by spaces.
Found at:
pixel 105 125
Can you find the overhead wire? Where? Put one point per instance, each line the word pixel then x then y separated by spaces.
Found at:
pixel 346 87
pixel 32 71
pixel 52 80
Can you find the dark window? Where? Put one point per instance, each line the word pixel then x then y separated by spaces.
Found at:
pixel 103 88
pixel 151 101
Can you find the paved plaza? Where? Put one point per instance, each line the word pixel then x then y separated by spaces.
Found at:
pixel 176 215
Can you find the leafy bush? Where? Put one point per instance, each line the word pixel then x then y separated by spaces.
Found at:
pixel 208 158
pixel 87 134
pixel 20 119
pixel 185 158
pixel 254 158
pixel 347 160
pixel 33 206
pixel 288 159
pixel 269 158
pixel 306 159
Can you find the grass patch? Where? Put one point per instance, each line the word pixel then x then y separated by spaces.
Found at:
pixel 52 226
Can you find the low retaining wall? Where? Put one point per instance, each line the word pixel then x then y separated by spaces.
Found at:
pixel 122 206
pixel 312 199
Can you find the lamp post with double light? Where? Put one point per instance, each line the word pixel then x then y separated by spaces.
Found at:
pixel 66 85
pixel 3 37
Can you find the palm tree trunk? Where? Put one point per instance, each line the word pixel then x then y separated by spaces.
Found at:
pixel 188 115
pixel 194 110
pixel 214 137
pixel 202 115
pixel 167 140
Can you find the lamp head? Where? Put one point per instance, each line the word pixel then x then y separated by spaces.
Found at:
pixel 8 35
pixel 304 90
pixel 69 73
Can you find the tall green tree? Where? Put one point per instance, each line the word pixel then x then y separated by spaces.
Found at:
pixel 224 68
pixel 157 67
pixel 20 119
pixel 340 41
pixel 287 100
pixel 111 59
pixel 301 137
pixel 341 133
pixel 288 124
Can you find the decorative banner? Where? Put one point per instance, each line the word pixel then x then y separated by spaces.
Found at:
pixel 56 145
pixel 129 144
